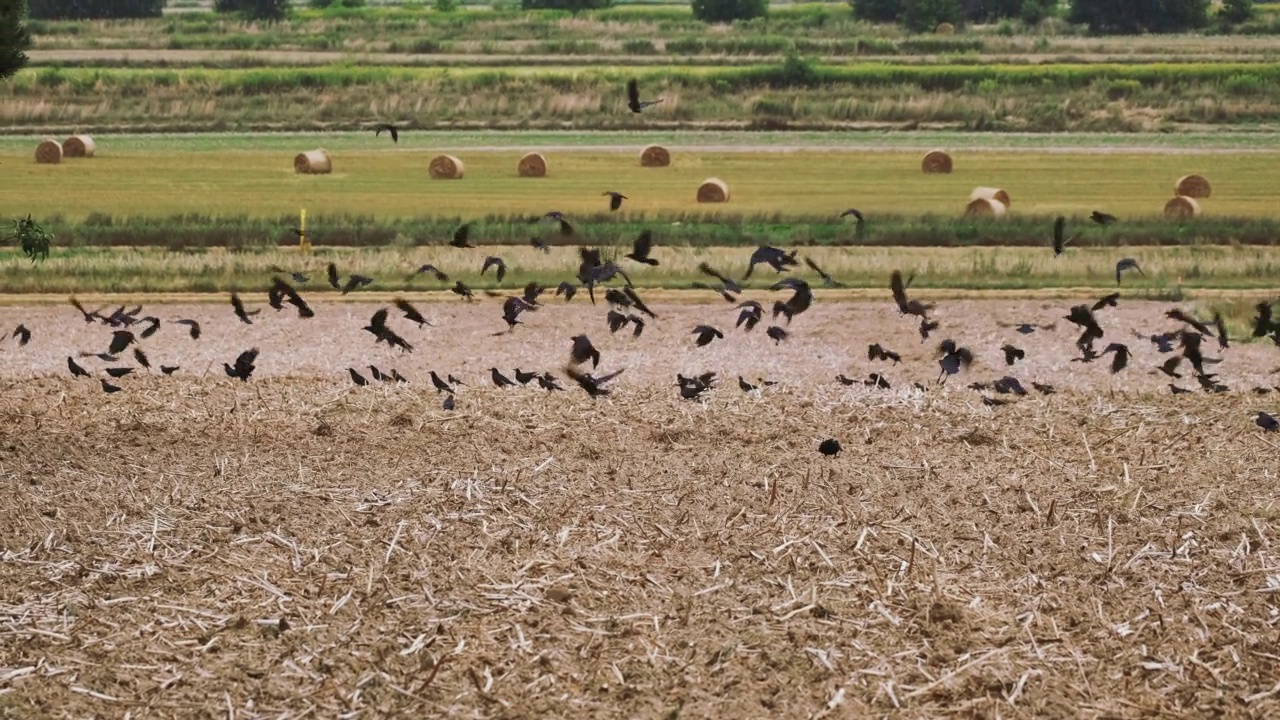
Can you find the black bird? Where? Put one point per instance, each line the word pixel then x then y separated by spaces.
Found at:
pixel 1170 367
pixel 524 377
pixel 397 377
pixel 876 352
pixel 448 403
pixel 724 292
pixel 1008 385
pixel 905 306
pixel 593 385
pixel 1082 317
pixel 830 447
pixel 76 370
pixel 728 283
pixel 927 326
pixel 395 131
pixel 800 300
pixel 876 380
pixel 104 357
pixel 1111 300
pixel 1102 218
pixel 499 379
pixel 857 215
pixel 332 271
pixel 378 328
pixel 706 334
pixel 244 366
pixel 636 302
pixel 633 97
pixel 827 280
pixel 636 321
pixel 1121 359
pixel 410 312
pixel 356 377
pixel 745 386
pixel 565 228
pixel 692 388
pixel 1163 341
pixel 192 325
pixel 378 374
pixel 547 382
pixel 771 256
pixel 1177 390
pixel 238 306
pixel 153 326
pixel 845 380
pixel 531 292
pixel 286 291
pixel 23 335
pixel 641 248
pixel 511 309
pixel 88 316
pixel 354 282
pixel 1060 239
pixel 460 289
pixel 616 321
pixel 120 339
pixel 567 289
pixel 460 236
pixel 1043 388
pixel 1127 264
pixel 170 369
pixel 750 313
pixel 615 199
pixel 538 244
pixel 1267 422
pixel 108 387
pixel 1013 354
pixel 583 351
pixel 1179 315
pixel 1221 326
pixel 494 261
pixel 453 380
pixel 954 358
pixel 141 357
pixel 297 276
pixel 777 333
pixel 437 272
pixel 1262 324
pixel 440 385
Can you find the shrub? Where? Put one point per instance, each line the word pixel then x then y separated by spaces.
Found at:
pixel 724 11
pixel 925 15
pixel 1236 11
pixel 14 38
pixel 446 6
pixel 1135 16
pixel 94 9
pixel 1034 12
pixel 570 5
pixel 1245 84
pixel 883 11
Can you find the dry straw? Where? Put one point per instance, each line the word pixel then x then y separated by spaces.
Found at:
pixel 49 152
pixel 655 156
pixel 1182 206
pixel 313 162
pixel 985 207
pixel 532 165
pixel 990 193
pixel 1192 186
pixel 713 190
pixel 936 161
pixel 80 146
pixel 445 167
pixel 945 28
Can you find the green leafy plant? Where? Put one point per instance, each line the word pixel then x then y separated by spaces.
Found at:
pixel 35 240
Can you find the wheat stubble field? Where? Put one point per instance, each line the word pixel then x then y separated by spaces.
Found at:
pixel 297 546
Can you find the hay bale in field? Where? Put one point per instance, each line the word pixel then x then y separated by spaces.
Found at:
pixel 313 162
pixel 1192 186
pixel 445 167
pixel 990 193
pixel 945 28
pixel 936 161
pixel 49 152
pixel 78 146
pixel 985 207
pixel 655 156
pixel 1182 206
pixel 532 165
pixel 713 190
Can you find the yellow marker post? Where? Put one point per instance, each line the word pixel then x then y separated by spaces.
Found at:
pixel 304 245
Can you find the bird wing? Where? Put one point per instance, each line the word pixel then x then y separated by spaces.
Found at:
pixel 333 275
pixel 643 244
pixel 1059 230
pixel 633 93
pixel 899 290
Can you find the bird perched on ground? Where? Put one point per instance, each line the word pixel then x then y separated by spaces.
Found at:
pixel 615 199
pixel 395 131
pixel 357 378
pixel 525 377
pixel 830 447
pixel 1125 265
pixel 440 385
pixel 583 351
pixel 461 235
pixel 706 334
pixel 641 249
pixel 244 366
pixel 1102 218
pixel 494 261
pixel 692 388
pixel 593 385
pixel 634 103
pixel 771 256
pixel 76 370
pixel 108 387
pixel 499 379
pixel 1060 238
pixel 1267 422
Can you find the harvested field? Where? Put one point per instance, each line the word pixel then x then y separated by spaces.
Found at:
pixel 296 545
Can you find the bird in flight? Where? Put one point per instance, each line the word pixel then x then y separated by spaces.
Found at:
pixel 634 103
pixel 1013 354
pixel 461 235
pixel 641 249
pixel 1102 218
pixel 771 256
pixel 1060 239
pixel 1127 264
pixel 615 199
pixel 494 261
pixel 583 351
pixel 429 268
pixel 593 385
pixel 827 280
pixel 410 312
pixel 537 244
pixel 395 131
pixel 244 366
pixel 706 334
pixel 238 306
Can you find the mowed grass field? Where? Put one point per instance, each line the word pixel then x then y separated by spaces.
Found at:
pixel 385 180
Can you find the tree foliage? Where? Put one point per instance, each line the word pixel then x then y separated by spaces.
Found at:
pixel 925 15
pixel 724 11
pixel 1236 11
pixel 1136 16
pixel 14 37
pixel 880 11
pixel 266 10
pixel 93 9
pixel 570 5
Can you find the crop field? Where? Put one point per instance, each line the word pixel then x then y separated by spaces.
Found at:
pixel 296 545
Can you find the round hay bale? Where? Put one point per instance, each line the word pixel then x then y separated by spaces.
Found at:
pixel 445 167
pixel 945 28
pixel 990 193
pixel 1192 186
pixel 1182 206
pixel 655 156
pixel 49 152
pixel 313 162
pixel 713 190
pixel 985 207
pixel 532 165
pixel 936 161
pixel 78 146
